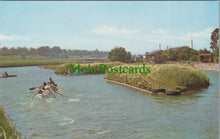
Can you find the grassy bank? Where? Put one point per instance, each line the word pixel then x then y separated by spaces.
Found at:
pixel 7 131
pixel 39 62
pixel 168 76
pixel 28 62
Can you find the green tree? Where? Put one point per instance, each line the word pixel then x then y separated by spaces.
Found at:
pixel 160 58
pixel 204 51
pixel 119 54
pixel 44 51
pixel 181 53
pixel 214 39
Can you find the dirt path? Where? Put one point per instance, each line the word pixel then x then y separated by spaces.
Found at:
pixel 207 66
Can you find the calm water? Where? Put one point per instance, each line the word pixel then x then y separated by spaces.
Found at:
pixel 94 108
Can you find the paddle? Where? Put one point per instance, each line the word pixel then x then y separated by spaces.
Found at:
pixel 60 94
pixel 32 88
pixel 35 95
pixel 60 89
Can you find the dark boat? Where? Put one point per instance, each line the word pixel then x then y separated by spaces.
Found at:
pixel 6 76
pixel 74 74
pixel 176 92
pixel 157 90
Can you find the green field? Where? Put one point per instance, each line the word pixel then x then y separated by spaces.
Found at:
pixel 42 61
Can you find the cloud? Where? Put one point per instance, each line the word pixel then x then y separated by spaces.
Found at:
pixel 202 34
pixel 159 31
pixel 112 30
pixel 12 37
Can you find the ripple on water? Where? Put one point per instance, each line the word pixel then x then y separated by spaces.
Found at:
pixel 74 100
pixel 67 121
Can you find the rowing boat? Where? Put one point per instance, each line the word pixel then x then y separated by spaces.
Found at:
pixel 48 95
pixel 175 92
pixel 6 76
pixel 49 91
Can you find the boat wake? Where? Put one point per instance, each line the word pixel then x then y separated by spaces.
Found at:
pixel 67 121
pixel 74 100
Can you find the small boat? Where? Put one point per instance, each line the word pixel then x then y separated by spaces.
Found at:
pixel 175 92
pixel 6 76
pixel 158 90
pixel 49 92
pixel 76 74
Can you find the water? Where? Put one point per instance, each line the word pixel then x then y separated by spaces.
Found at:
pixel 94 108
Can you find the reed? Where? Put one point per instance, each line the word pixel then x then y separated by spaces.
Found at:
pixel 7 130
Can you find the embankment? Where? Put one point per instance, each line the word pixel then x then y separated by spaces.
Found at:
pixel 7 131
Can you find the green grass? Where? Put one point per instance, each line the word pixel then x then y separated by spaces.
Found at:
pixel 7 131
pixel 27 62
pixel 41 61
pixel 168 76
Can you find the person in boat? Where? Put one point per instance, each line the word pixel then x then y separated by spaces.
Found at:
pixel 51 81
pixel 42 89
pixel 52 85
pixel 6 74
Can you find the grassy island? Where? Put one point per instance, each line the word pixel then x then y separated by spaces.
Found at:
pixel 7 131
pixel 167 76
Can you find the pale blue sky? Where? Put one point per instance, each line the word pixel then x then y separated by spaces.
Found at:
pixel 137 26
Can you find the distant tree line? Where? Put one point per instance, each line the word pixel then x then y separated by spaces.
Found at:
pixel 54 52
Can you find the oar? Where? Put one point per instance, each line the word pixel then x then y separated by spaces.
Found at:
pixel 35 95
pixel 60 94
pixel 32 88
pixel 60 89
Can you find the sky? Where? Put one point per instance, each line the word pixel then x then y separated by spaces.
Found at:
pixel 138 26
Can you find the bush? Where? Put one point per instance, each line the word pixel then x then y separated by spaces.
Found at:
pixel 194 58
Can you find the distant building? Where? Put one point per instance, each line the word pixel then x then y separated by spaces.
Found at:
pixel 150 56
pixel 177 48
pixel 153 53
pixel 137 57
pixel 205 58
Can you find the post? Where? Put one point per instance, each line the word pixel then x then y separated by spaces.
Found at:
pixel 192 43
pixel 159 46
pixel 210 60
